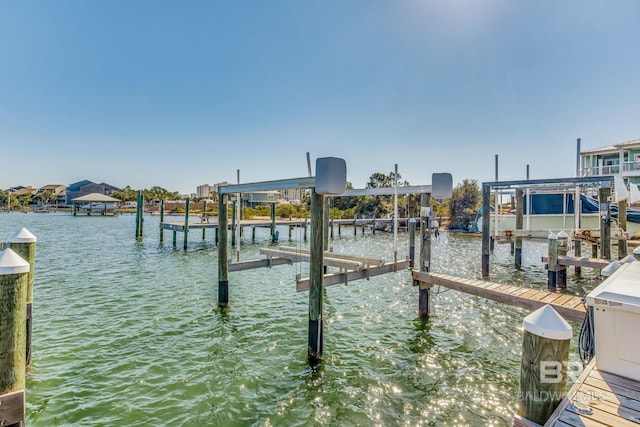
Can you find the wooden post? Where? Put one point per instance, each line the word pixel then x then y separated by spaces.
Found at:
pixel 339 229
pixel 139 214
pixel 14 279
pixel 623 250
pixel 425 252
pixel 24 244
pixel 331 225
pixel 605 220
pixel 412 241
pixel 486 230
pixel 552 261
pixel 205 218
pixel 517 253
pixel 161 221
pixel 223 252
pixel 305 228
pixel 186 224
pixel 561 270
pixel 577 252
pixel 325 224
pixel 543 371
pixel 594 250
pixel 253 233
pixel 233 224
pixel 355 225
pixel 175 238
pixel 273 223
pixel 315 279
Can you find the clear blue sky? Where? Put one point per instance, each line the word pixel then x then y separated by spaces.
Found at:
pixel 182 93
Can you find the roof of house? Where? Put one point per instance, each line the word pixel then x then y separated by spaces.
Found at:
pixel 615 147
pixel 95 197
pixel 51 186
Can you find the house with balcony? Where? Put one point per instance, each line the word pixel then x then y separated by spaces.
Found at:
pixel 621 159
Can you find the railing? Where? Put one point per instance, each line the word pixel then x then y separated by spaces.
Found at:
pixel 611 169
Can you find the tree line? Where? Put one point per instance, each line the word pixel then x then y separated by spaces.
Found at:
pixel 459 210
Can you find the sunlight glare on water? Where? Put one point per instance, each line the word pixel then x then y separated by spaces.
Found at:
pixel 129 333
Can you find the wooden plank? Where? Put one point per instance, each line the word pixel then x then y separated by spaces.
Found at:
pixel 618 381
pixel 12 408
pixel 530 300
pixel 258 263
pixel 550 297
pixel 596 263
pixel 610 402
pixel 302 257
pixel 378 262
pixel 365 273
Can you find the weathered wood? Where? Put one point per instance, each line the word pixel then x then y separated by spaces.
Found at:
pixel 425 253
pixel 596 263
pixel 577 252
pixel 622 223
pixel 186 224
pixel 412 241
pixel 541 394
pixel 306 257
pixel 605 399
pixel 234 224
pixel 273 222
pixel 605 221
pixel 161 221
pixel 561 270
pixel 13 331
pixel 24 244
pixel 12 408
pixel 302 284
pixel 364 260
pixel 486 230
pixel 517 251
pixel 258 263
pixel 552 260
pixel 315 341
pixel 223 252
pixel 571 309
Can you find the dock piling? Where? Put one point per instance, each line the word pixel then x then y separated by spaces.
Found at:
pixel 186 223
pixel 316 279
pixel 425 252
pixel 14 279
pixel 24 244
pixel 552 261
pixel 412 241
pixel 517 253
pixel 223 252
pixel 577 252
pixel 561 270
pixel 161 221
pixel 543 371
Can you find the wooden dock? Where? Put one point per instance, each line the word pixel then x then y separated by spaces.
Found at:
pixel 599 399
pixel 568 306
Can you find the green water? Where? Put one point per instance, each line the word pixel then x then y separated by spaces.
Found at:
pixel 129 333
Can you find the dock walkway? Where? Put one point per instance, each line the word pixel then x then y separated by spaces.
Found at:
pixel 599 399
pixel 568 306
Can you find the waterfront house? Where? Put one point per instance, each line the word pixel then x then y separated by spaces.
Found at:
pixel 82 188
pixel 621 159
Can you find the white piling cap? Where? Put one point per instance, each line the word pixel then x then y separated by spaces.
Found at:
pixel 628 259
pixel 610 269
pixel 552 235
pixel 12 263
pixel 563 235
pixel 23 236
pixel 546 322
pixel 636 251
pixel 413 220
